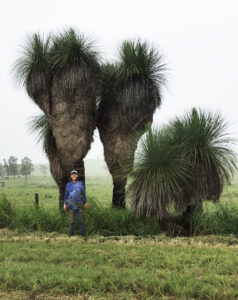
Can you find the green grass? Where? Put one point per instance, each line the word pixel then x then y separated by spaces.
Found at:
pixel 21 193
pixel 100 218
pixel 122 268
pixel 97 220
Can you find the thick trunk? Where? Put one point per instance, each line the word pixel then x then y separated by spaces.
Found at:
pixel 119 192
pixel 69 103
pixel 119 152
pixel 68 100
pixel 73 123
pixel 61 196
pixel 61 177
pixel 186 216
pixel 120 128
pixel 73 136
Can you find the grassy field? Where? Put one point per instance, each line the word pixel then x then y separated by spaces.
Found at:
pixel 120 257
pixel 21 192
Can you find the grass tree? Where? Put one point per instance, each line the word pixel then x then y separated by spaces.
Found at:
pixel 159 176
pixel 203 137
pixel 184 163
pixel 130 93
pixel 60 74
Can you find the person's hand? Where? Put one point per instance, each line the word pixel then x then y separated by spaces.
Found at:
pixel 65 207
pixel 85 205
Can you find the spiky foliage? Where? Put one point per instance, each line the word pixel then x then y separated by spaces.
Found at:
pixel 159 176
pixel 39 126
pixel 32 69
pixel 133 85
pixel 74 58
pixel 138 60
pixel 204 139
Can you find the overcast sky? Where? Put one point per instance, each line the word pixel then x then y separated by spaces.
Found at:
pixel 199 40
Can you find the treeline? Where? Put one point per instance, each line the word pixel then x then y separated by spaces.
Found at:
pixel 11 167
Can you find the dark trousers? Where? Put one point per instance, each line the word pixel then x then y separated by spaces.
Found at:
pixel 73 215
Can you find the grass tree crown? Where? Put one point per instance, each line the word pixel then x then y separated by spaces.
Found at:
pixel 73 49
pixel 74 61
pixel 203 136
pixel 32 68
pixel 70 53
pixel 138 59
pixel 132 85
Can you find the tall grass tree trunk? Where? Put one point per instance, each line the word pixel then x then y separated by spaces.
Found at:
pixel 40 125
pixel 119 155
pixel 130 94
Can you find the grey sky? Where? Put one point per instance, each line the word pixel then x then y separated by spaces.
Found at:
pixel 199 40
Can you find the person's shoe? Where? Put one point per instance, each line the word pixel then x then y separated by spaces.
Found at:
pixel 71 234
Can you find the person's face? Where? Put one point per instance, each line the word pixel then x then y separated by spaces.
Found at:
pixel 74 176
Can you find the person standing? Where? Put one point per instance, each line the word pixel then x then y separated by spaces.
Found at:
pixel 74 203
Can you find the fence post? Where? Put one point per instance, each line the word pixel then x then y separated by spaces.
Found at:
pixel 36 199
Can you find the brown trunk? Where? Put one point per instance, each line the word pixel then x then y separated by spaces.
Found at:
pixel 60 176
pixel 119 149
pixel 68 100
pixel 186 216
pixel 69 104
pixel 119 195
pixel 121 124
pixel 73 123
pixel 61 195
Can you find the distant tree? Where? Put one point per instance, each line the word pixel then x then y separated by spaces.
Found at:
pixel 26 166
pixel 6 167
pixel 11 166
pixel 43 169
pixel 2 170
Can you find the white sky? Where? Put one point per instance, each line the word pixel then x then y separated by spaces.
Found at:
pixel 199 40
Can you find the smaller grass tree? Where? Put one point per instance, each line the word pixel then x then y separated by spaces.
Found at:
pixel 204 139
pixel 184 163
pixel 159 175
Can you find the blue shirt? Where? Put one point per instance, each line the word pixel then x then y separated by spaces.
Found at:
pixel 73 192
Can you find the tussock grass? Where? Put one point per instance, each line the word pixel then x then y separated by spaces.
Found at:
pixel 219 218
pixel 97 220
pixel 18 212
